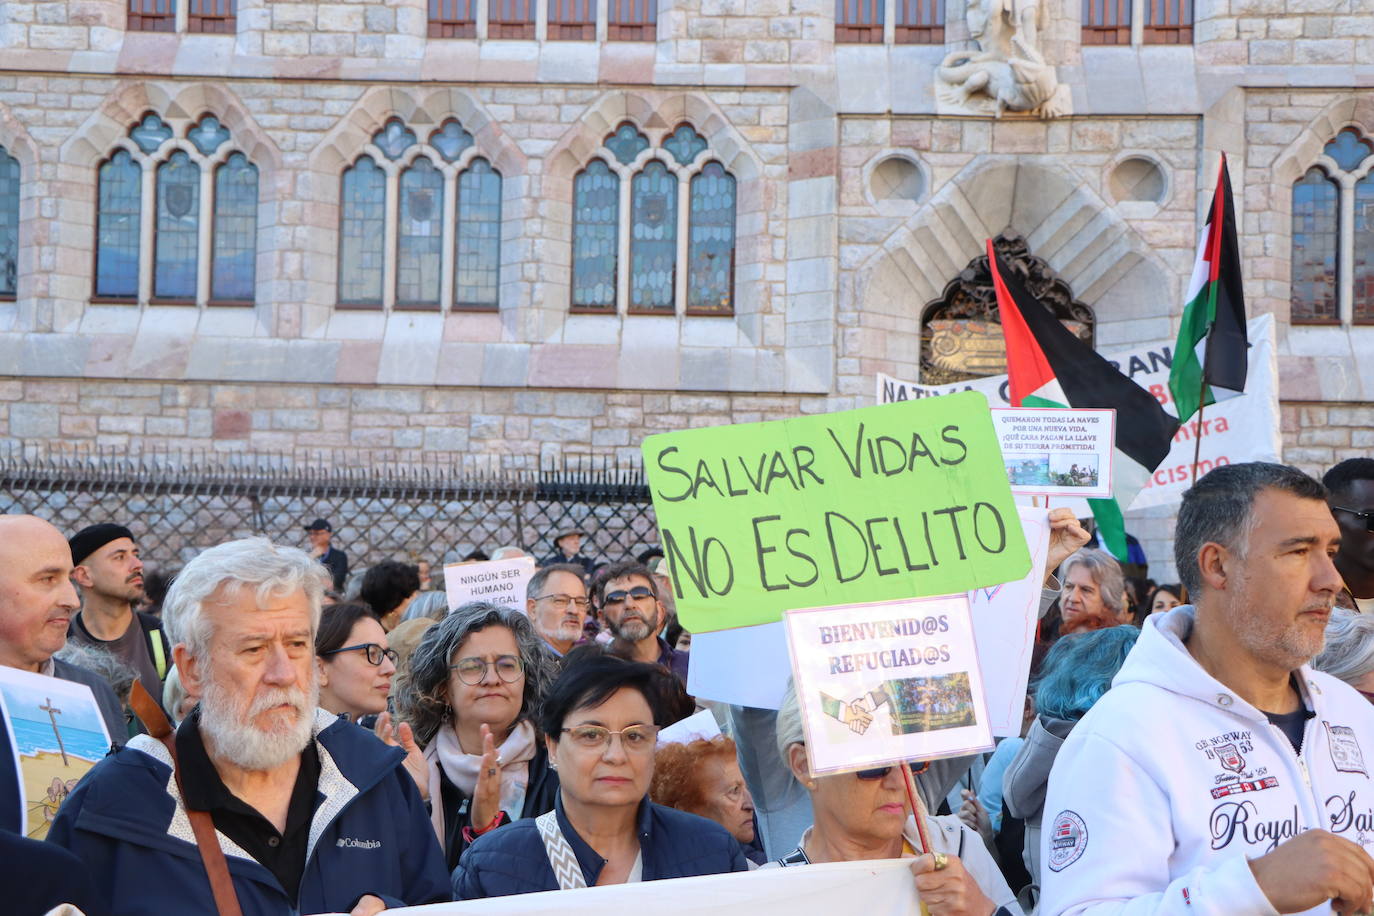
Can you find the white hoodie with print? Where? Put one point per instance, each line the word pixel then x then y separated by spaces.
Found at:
pixel 1171 783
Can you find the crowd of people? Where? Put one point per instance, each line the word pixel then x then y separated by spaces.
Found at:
pixel 312 747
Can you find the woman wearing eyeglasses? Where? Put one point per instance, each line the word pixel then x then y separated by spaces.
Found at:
pixel 600 721
pixel 475 680
pixel 865 815
pixel 355 665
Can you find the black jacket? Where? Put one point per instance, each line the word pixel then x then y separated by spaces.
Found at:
pixel 539 798
pixel 336 561
pixel 154 637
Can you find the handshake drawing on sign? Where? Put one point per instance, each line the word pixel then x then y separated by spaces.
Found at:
pixel 856 714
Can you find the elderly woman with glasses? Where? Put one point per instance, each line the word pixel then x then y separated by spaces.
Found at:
pixel 865 815
pixel 600 722
pixel 475 680
pixel 354 664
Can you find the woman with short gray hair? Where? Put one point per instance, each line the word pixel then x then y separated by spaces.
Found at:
pixel 475 684
pixel 1349 652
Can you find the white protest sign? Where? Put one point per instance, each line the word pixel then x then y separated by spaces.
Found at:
pixel 886 682
pixel 884 886
pixel 701 725
pixel 1004 621
pixel 747 666
pixel 497 581
pixel 1056 452
pixel 1244 428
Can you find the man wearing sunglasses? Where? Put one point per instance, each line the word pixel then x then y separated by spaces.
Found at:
pixel 1351 486
pixel 628 597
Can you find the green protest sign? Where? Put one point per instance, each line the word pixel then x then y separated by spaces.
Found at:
pixel 901 500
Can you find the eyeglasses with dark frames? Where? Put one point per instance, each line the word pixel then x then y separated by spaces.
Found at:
pixel 875 773
pixel 472 670
pixel 1367 516
pixel 375 653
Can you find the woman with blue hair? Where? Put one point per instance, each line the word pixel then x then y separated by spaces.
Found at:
pixel 1075 674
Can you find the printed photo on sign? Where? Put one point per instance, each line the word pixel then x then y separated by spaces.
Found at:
pixel 1056 452
pixel 886 682
pixel 498 582
pixel 57 734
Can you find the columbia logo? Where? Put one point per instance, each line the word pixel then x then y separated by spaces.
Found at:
pixel 351 843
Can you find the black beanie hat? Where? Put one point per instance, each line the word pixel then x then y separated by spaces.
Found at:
pixel 88 540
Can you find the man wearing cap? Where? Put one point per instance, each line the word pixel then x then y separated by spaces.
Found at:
pixel 110 574
pixel 37 601
pixel 568 542
pixel 335 560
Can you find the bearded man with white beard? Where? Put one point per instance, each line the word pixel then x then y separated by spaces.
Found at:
pixel 627 595
pixel 313 814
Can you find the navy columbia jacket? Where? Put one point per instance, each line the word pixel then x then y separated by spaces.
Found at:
pixel 673 844
pixel 370 834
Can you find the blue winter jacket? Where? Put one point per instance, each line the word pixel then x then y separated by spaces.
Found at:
pixel 673 844
pixel 370 835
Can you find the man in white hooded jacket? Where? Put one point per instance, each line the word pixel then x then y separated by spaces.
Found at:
pixel 1220 774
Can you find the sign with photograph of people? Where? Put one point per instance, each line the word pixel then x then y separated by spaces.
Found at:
pixel 1057 452
pixel 887 682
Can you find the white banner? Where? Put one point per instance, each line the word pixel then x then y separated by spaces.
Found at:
pixel 1244 428
pixel 880 888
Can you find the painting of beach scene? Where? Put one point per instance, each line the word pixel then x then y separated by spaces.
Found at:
pixel 57 735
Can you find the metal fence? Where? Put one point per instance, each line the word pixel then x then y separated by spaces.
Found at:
pixel 177 504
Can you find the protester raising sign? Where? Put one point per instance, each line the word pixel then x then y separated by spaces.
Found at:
pixel 899 501
pixel 888 682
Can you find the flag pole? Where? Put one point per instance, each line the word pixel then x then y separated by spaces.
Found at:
pixel 1197 430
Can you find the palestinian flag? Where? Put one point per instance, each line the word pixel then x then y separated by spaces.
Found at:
pixel 1048 366
pixel 1210 358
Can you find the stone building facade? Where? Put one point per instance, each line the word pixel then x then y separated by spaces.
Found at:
pixel 862 187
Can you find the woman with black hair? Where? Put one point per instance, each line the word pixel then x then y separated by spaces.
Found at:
pixel 600 721
pixel 354 663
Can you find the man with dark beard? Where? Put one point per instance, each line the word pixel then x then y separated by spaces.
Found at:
pixel 1221 774
pixel 315 815
pixel 628 597
pixel 109 571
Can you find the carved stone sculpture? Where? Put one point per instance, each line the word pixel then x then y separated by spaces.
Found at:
pixel 1007 72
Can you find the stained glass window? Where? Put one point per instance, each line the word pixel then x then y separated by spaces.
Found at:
pixel 9 223
pixel 653 237
pixel 362 234
pixel 119 200
pixel 420 235
pixel 178 214
pixel 450 140
pixel 478 265
pixel 1349 149
pixel 150 133
pixel 684 143
pixel 711 241
pixel 1362 271
pixel 596 221
pixel 209 135
pixel 627 143
pixel 236 230
pixel 1316 241
pixel 394 139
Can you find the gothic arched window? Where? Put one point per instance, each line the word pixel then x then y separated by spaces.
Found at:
pixel 205 197
pixel 9 224
pixel 440 255
pixel 1332 275
pixel 667 213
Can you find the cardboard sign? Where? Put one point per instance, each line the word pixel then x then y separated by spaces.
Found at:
pixel 1245 428
pixel 1004 621
pixel 862 505
pixel 888 682
pixel 498 582
pixel 58 735
pixel 1056 452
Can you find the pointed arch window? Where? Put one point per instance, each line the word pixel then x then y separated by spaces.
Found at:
pixel 1332 266
pixel 654 226
pixel 176 216
pixel 420 222
pixel 9 224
